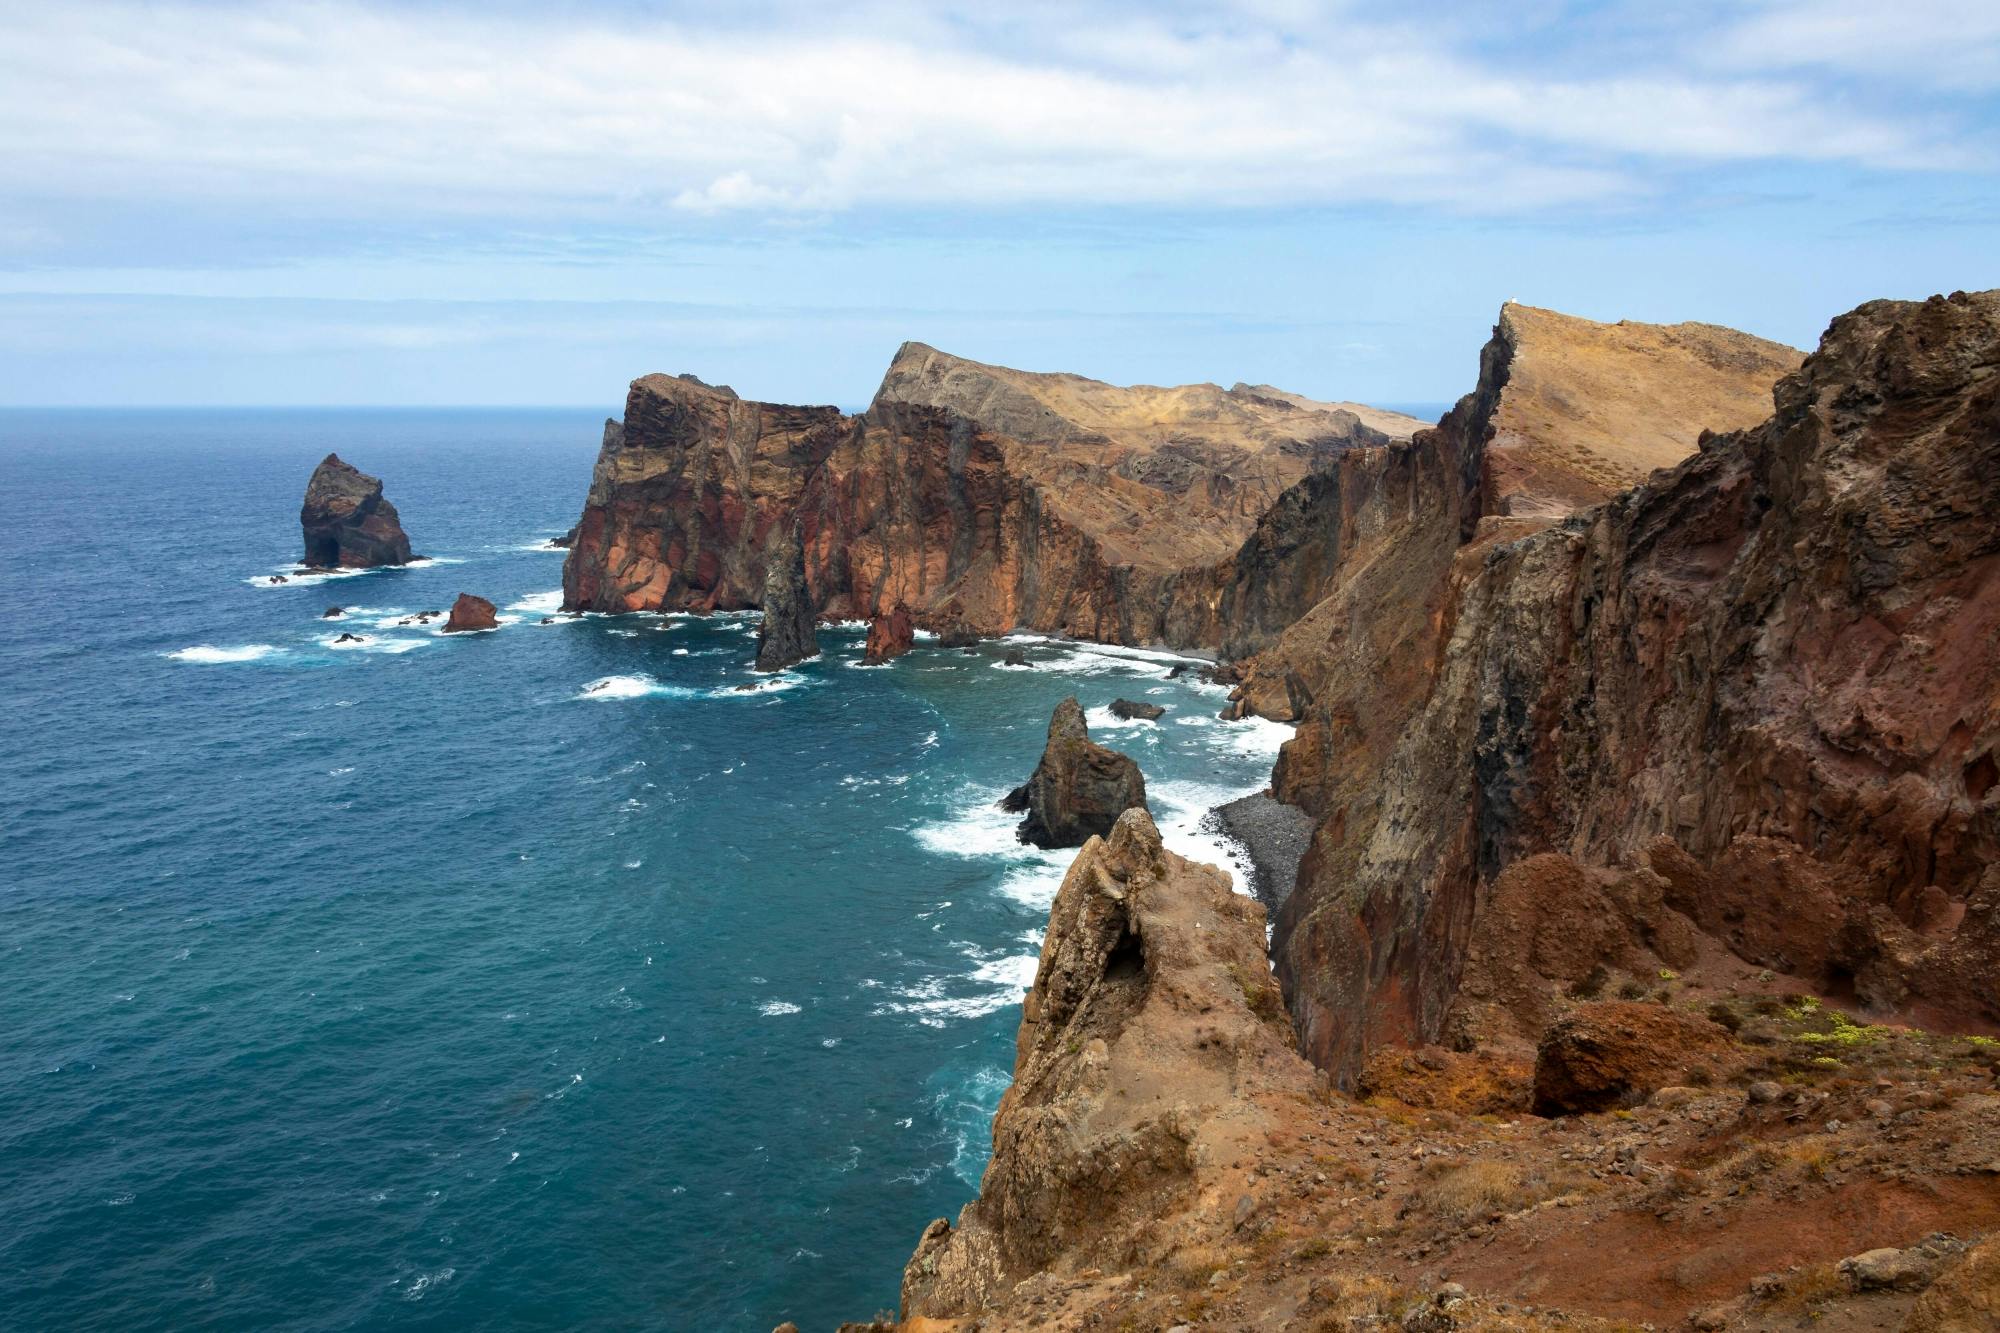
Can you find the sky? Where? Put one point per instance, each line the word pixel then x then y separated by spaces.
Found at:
pixel 359 202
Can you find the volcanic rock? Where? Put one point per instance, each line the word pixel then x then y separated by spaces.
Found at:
pixel 1152 981
pixel 1613 1053
pixel 347 522
pixel 889 636
pixel 1965 1298
pixel 789 632
pixel 1764 678
pixel 470 613
pixel 333 613
pixel 1079 788
pixel 1014 657
pixel 1129 710
pixel 967 492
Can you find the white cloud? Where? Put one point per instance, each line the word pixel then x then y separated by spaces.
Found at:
pixel 351 110
pixel 1931 43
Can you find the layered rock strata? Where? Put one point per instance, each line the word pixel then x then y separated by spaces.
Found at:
pixel 983 499
pixel 347 522
pixel 1079 789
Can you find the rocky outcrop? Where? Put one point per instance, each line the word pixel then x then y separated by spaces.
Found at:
pixel 979 497
pixel 789 631
pixel 1148 1065
pixel 1133 711
pixel 1079 789
pixel 1614 1053
pixel 470 613
pixel 1764 680
pixel 1965 1298
pixel 347 522
pixel 889 636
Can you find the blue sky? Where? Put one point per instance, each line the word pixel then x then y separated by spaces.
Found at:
pixel 204 201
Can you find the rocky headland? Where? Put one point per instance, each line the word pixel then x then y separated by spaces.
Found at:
pixel 1647 711
pixel 347 522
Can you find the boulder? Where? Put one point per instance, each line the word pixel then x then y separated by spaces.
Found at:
pixel 1079 788
pixel 957 633
pixel 1015 658
pixel 889 636
pixel 1131 711
pixel 333 613
pixel 347 522
pixel 470 613
pixel 789 632
pixel 1617 1053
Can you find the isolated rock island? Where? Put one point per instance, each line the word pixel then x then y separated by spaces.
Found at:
pixel 347 522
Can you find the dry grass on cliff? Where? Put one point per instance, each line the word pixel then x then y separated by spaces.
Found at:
pixel 1476 1190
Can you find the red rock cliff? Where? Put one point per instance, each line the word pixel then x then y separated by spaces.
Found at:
pixel 1768 679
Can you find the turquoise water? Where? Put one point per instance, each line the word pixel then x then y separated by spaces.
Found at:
pixel 422 985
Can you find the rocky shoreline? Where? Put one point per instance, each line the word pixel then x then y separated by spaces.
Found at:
pixel 1274 837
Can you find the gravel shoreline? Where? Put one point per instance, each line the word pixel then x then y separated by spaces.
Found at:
pixel 1273 835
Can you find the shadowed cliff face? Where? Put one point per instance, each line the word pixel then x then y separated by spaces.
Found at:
pixel 1766 679
pixel 970 493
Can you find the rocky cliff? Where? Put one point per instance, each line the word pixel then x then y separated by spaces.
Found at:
pixel 347 522
pixel 977 496
pixel 789 632
pixel 1152 1060
pixel 1765 682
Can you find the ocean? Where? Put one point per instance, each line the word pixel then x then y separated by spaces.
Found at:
pixel 527 979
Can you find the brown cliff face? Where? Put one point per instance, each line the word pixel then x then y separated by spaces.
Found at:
pixel 346 521
pixel 1767 681
pixel 1103 518
pixel 1148 1066
pixel 1079 789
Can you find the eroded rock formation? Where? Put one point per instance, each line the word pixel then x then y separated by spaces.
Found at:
pixel 347 522
pixel 1765 680
pixel 789 631
pixel 470 613
pixel 1079 789
pixel 980 497
pixel 889 636
pixel 1148 1065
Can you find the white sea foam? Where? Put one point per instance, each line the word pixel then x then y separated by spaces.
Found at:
pixel 1257 737
pixel 539 603
pixel 1103 719
pixel 209 655
pixel 303 578
pixel 777 1008
pixel 367 643
pixel 995 981
pixel 546 545
pixel 620 687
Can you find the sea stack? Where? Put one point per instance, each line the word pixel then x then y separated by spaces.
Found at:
pixel 790 631
pixel 889 636
pixel 1079 789
pixel 347 522
pixel 470 613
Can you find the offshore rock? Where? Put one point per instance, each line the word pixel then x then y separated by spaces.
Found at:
pixel 1764 681
pixel 889 636
pixel 1147 1068
pixel 789 632
pixel 1079 789
pixel 470 613
pixel 1130 711
pixel 347 522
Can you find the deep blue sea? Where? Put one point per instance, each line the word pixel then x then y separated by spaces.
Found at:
pixel 421 984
